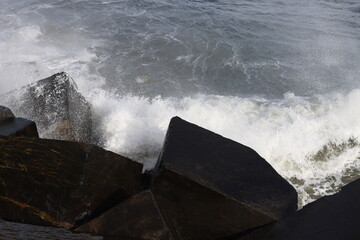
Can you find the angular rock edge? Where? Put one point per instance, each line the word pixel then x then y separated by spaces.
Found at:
pixel 5 113
pixel 331 217
pixel 56 106
pixel 61 183
pixel 138 217
pixel 195 163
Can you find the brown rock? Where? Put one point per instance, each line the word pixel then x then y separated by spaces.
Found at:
pixel 136 218
pixel 54 104
pixel 18 127
pixel 61 183
pixel 210 187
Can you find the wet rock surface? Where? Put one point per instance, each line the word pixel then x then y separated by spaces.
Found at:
pixel 209 187
pixel 18 231
pixel 18 127
pixel 61 183
pixel 5 113
pixel 53 103
pixel 137 218
pixel 328 218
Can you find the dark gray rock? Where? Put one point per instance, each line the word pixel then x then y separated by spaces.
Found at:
pixel 20 231
pixel 61 183
pixel 210 187
pixel 56 106
pixel 5 113
pixel 328 218
pixel 18 127
pixel 136 218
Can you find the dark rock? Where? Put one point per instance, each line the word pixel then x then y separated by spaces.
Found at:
pixel 18 127
pixel 328 218
pixel 5 113
pixel 136 218
pixel 56 106
pixel 61 183
pixel 209 187
pixel 20 231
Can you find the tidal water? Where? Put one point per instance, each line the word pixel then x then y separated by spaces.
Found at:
pixel 281 76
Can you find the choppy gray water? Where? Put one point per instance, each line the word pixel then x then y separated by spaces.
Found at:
pixel 279 76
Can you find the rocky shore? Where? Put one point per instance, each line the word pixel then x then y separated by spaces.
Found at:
pixel 204 186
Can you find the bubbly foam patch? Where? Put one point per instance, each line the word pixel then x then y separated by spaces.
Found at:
pixel 312 142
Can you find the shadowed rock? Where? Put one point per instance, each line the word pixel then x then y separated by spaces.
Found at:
pixel 18 127
pixel 61 183
pixel 209 187
pixel 5 113
pixel 137 218
pixel 19 231
pixel 56 106
pixel 328 218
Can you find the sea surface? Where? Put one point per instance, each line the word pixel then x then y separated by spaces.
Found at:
pixel 281 76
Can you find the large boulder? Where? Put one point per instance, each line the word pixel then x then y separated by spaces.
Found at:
pixel 11 126
pixel 136 218
pixel 56 106
pixel 5 113
pixel 61 183
pixel 18 127
pixel 209 187
pixel 328 218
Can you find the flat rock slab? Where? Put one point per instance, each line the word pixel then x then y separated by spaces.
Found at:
pixel 136 218
pixel 55 105
pixel 5 113
pixel 61 183
pixel 19 231
pixel 209 187
pixel 18 127
pixel 328 218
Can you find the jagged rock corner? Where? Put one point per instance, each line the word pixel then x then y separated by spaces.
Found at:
pixel 56 106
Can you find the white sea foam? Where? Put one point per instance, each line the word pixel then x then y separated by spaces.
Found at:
pixel 312 142
pixel 27 56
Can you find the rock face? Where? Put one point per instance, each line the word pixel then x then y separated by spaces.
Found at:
pixel 329 218
pixel 18 127
pixel 136 218
pixel 61 183
pixel 209 187
pixel 11 126
pixel 19 231
pixel 5 113
pixel 56 106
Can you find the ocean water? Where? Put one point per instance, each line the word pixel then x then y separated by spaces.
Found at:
pixel 281 76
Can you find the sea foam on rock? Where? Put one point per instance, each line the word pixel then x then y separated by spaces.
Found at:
pixel 208 186
pixel 61 183
pixel 56 106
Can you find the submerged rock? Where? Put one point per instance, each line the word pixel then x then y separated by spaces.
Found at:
pixel 137 218
pixel 5 113
pixel 328 218
pixel 209 187
pixel 56 106
pixel 61 183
